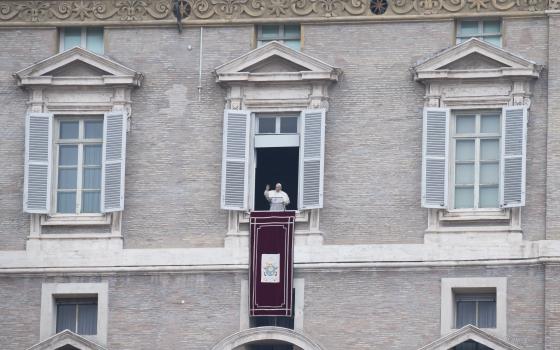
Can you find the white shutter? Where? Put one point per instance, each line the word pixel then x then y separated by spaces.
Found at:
pixel 114 153
pixel 235 160
pixel 311 155
pixel 435 146
pixel 514 133
pixel 38 163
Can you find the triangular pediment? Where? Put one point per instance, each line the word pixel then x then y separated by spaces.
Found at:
pixel 475 58
pixel 77 66
pixel 472 333
pixel 275 62
pixel 474 61
pixel 67 340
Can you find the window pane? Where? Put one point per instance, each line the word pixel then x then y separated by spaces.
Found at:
pixel 468 28
pixel 65 317
pixel 464 150
pixel 93 129
pixel 270 31
pixel 494 40
pixel 87 319
pixel 489 149
pixel 464 197
pixel 267 125
pixel 292 31
pixel 293 44
pixel 464 174
pixel 66 202
pixel 465 124
pixel 69 130
pixel 488 197
pixel 91 201
pixel 68 155
pixel 72 37
pixel 490 124
pixel 491 27
pixel 487 314
pixel 489 173
pixel 92 178
pixel 67 178
pixel 288 125
pixel 92 154
pixel 94 40
pixel 466 313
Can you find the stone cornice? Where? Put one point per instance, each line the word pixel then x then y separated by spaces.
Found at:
pixel 161 12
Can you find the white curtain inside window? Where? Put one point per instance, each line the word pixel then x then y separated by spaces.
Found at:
pixel 66 317
pixel 466 313
pixel 486 314
pixel 87 319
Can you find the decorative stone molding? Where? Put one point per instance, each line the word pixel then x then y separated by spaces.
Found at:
pixel 267 333
pixel 66 338
pixel 84 11
pixel 133 12
pixel 469 332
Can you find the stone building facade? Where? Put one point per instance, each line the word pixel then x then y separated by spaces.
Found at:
pixel 427 218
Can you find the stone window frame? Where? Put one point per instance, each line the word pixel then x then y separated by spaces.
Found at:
pixel 49 293
pixel 291 91
pixel 50 93
pixel 473 284
pixel 507 85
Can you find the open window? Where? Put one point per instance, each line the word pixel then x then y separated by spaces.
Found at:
pixel 277 140
pixel 279 148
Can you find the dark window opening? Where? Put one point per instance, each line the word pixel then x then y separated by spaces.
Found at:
pixel 275 321
pixel 67 347
pixel 77 315
pixel 276 165
pixel 471 345
pixel 270 345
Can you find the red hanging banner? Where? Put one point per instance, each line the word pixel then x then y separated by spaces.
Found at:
pixel 271 263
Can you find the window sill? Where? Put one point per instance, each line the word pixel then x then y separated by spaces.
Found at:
pixel 455 215
pixel 301 216
pixel 75 220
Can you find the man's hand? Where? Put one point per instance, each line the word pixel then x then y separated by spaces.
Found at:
pixel 267 188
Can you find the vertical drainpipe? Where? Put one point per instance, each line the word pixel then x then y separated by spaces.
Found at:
pixel 200 67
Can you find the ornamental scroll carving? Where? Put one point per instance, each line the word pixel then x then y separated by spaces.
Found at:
pixel 84 10
pixel 132 11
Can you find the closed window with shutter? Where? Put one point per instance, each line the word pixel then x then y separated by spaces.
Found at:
pixel 38 163
pixel 78 144
pixel 312 148
pixel 476 153
pixel 235 160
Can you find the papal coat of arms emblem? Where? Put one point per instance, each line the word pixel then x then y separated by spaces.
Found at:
pixel 270 268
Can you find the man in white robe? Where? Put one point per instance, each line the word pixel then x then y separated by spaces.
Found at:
pixel 277 198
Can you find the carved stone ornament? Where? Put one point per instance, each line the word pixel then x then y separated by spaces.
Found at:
pixel 476 73
pixel 55 12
